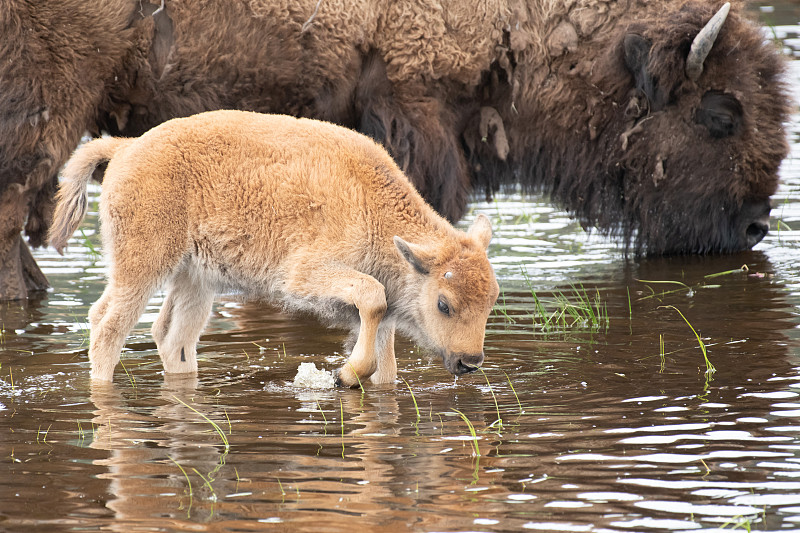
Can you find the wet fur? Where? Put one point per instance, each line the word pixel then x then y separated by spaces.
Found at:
pixel 304 213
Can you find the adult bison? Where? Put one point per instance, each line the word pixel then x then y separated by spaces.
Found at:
pixel 602 104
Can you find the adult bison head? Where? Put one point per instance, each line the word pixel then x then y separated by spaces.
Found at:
pixel 700 133
pixel 638 127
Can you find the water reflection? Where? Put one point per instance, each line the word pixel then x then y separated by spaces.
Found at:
pixel 150 451
pixel 593 428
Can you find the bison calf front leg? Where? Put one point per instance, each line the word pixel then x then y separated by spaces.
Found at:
pixel 384 353
pixel 370 300
pixel 353 288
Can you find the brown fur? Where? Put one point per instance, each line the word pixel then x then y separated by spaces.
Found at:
pixel 308 214
pixel 506 92
pixel 462 93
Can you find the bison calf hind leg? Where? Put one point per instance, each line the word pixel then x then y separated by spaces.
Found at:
pixel 181 320
pixel 111 319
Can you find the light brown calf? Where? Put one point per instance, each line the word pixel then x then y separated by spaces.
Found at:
pixel 304 213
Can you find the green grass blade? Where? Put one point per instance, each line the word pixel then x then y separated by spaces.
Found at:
pixel 213 424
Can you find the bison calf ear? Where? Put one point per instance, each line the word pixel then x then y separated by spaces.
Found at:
pixel 481 230
pixel 637 56
pixel 415 255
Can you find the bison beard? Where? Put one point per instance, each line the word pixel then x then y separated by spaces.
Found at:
pixel 588 102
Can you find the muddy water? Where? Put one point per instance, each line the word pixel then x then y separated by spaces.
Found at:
pixel 611 423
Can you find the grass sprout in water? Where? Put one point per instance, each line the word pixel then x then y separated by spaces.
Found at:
pixel 207 483
pixel 130 376
pixel 680 286
pixel 92 251
pixel 738 522
pixel 43 435
pixel 414 399
pixel 709 367
pixel 213 424
pixel 189 481
pixel 499 422
pixel 521 411
pixel 566 310
pixel 581 309
pixel 502 309
pixel 341 417
pixel 83 331
pixel 476 451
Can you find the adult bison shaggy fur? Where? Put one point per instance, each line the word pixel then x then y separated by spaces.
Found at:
pixel 587 101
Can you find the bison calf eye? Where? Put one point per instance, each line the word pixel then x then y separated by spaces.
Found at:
pixel 720 113
pixel 443 307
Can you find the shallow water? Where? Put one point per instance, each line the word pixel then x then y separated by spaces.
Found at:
pixel 612 424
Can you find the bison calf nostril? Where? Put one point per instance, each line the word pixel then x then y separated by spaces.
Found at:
pixel 755 232
pixel 461 368
pixel 474 360
pixel 462 363
pixel 468 363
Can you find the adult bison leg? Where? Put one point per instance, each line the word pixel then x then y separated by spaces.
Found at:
pixel 325 286
pixel 19 273
pixel 35 280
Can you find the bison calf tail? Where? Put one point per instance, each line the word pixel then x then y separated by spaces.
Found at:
pixel 71 197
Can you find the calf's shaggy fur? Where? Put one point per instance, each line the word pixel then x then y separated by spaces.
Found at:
pixel 297 211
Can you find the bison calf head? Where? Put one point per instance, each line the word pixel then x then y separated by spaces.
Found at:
pixel 451 293
pixel 701 131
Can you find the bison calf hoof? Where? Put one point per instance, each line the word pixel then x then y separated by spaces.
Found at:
pixel 348 381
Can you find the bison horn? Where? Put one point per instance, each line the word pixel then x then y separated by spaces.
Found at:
pixel 702 44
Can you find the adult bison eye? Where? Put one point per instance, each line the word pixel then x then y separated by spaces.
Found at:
pixel 443 307
pixel 720 113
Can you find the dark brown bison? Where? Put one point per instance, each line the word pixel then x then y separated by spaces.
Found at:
pixel 593 102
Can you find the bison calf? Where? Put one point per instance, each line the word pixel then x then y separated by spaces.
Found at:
pixel 295 211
